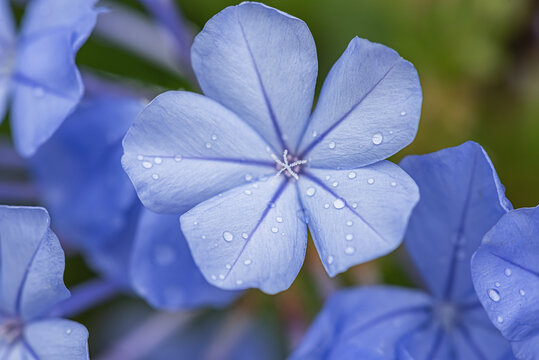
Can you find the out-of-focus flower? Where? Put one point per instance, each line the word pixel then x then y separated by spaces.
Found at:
pixel 80 177
pixel 505 272
pixel 258 166
pixel 461 199
pixel 31 283
pixel 37 67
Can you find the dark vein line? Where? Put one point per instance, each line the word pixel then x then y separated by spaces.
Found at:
pixel 325 187
pixel 410 333
pixel 30 349
pixel 27 81
pixel 436 344
pixel 471 343
pixel 332 127
pixel 218 159
pixel 263 89
pixel 515 264
pixel 450 282
pixel 273 200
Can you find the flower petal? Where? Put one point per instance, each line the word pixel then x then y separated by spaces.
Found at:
pixel 185 148
pixel 163 270
pixel 250 236
pixel 356 216
pixel 368 321
pixel 261 63
pixel 56 339
pixel 7 41
pixel 31 276
pixel 505 272
pixel 368 109
pixel 461 198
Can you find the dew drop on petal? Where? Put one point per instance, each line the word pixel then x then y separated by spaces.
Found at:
pixel 208 145
pixel 248 192
pixel 155 176
pixel 352 175
pixel 315 134
pixel 332 145
pixel 244 235
pixel 147 164
pixel 328 177
pixel 393 184
pixel 239 282
pixel 326 206
pixel 349 250
pixel 403 113
pixel 507 272
pixel 157 160
pixel 310 191
pixel 494 295
pixel 335 184
pixel 214 277
pixel 178 158
pixel 338 204
pixel 69 331
pixel 279 219
pixel 522 292
pixel 140 157
pixel 228 266
pixel 214 137
pixel 497 284
pixel 227 235
pixel 247 262
pixel 330 259
pixel 370 181
pixel 377 138
pixel 248 177
pixel 221 276
pixel 349 223
pixel 274 229
pixel 349 237
pixel 354 205
pixel 499 319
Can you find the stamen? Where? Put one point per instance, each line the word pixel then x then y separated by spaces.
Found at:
pixel 285 166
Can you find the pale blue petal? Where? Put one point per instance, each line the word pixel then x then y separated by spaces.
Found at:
pixel 461 199
pixel 356 215
pixel 505 272
pixel 7 54
pixel 31 276
pixel 185 148
pixel 46 89
pixel 368 109
pixel 7 27
pixel 56 339
pixel 250 236
pixel 370 322
pixel 260 63
pixel 163 270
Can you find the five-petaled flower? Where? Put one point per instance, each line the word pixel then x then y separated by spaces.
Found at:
pixel 219 155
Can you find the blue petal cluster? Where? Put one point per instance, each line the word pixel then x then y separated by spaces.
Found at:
pixel 461 199
pixel 31 284
pixel 252 165
pixel 37 67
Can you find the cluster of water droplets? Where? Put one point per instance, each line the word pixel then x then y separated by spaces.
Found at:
pixel 495 295
pixel 148 162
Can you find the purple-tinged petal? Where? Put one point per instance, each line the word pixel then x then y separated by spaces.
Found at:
pixel 356 215
pixel 368 109
pixel 7 54
pixel 249 236
pixel 260 63
pixel 56 339
pixel 31 276
pixel 369 322
pixel 461 199
pixel 505 272
pixel 185 148
pixel 163 270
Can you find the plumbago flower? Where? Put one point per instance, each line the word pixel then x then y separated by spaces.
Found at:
pixel 31 271
pixel 253 165
pixel 461 199
pixel 81 180
pixel 505 272
pixel 37 67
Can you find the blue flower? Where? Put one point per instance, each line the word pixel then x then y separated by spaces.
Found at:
pixel 37 67
pixel 253 165
pixel 31 283
pixel 505 272
pixel 81 180
pixel 461 199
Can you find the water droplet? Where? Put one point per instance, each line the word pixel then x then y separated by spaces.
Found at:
pixel 157 160
pixel 178 158
pixel 140 157
pixel 248 192
pixel 330 259
pixel 274 229
pixel 155 176
pixel 244 235
pixel 208 145
pixel 39 92
pixel 499 319
pixel 315 134
pixel 497 284
pixel 349 223
pixel 335 184
pixel 403 113
pixel 239 282
pixel 214 137
pixel 164 255
pixel 228 266
pixel 332 145
pixel 338 204
pixel 214 277
pixel 508 272
pixel 354 205
pixel 203 237
pixel 370 181
pixel 146 164
pixel 247 262
pixel 377 139
pixel 494 295
pixel 248 177
pixel 349 250
pixel 393 184
pixel 221 276
pixel 195 222
pixel 522 292
pixel 326 206
pixel 279 219
pixel 310 191
pixel 352 175
pixel 228 236
pixel 349 237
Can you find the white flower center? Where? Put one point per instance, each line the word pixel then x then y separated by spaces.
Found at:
pixel 285 167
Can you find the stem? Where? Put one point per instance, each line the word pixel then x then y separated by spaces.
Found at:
pixel 149 335
pixel 84 297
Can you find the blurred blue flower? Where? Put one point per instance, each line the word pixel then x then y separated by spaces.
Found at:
pixel 257 164
pixel 505 272
pixel 461 199
pixel 79 174
pixel 37 67
pixel 31 283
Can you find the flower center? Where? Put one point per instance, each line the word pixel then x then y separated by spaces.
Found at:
pixel 7 62
pixel 288 168
pixel 447 315
pixel 10 330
